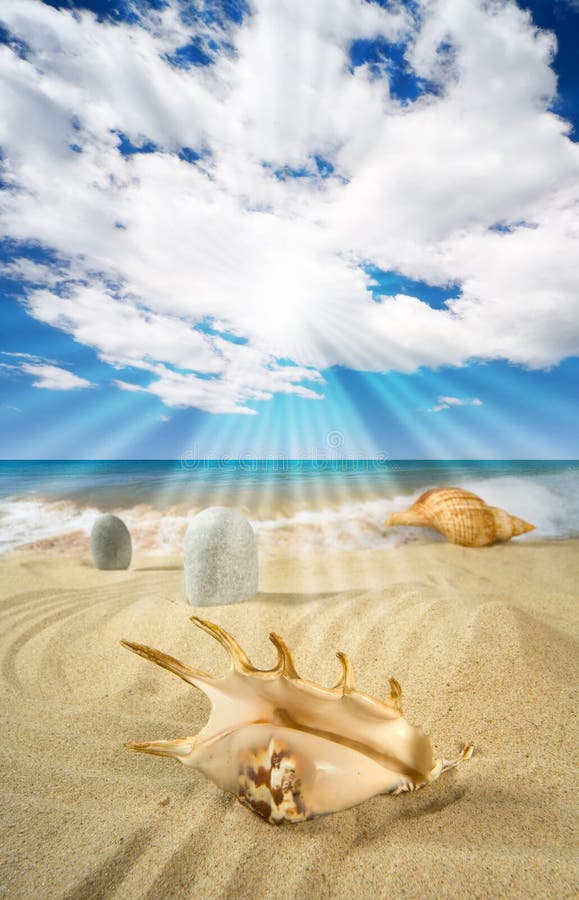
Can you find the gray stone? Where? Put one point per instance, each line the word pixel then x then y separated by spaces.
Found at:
pixel 110 543
pixel 220 558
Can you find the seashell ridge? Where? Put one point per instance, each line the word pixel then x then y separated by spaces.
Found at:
pixel 290 749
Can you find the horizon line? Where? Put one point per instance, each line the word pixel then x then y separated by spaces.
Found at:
pixel 191 463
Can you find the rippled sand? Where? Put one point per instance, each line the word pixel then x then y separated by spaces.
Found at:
pixel 482 642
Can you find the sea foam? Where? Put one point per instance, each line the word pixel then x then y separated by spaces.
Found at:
pixel 550 500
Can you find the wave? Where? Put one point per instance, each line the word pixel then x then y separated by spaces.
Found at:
pixel 550 501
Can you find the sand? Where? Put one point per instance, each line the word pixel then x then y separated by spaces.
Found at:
pixel 484 643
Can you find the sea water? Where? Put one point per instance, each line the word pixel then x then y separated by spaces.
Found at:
pixel 292 504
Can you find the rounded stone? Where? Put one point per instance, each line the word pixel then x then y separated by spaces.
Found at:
pixel 220 558
pixel 110 543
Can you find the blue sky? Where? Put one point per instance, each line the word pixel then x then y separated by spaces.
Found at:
pixel 253 230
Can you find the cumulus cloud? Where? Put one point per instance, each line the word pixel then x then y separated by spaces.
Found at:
pixel 447 402
pixel 229 261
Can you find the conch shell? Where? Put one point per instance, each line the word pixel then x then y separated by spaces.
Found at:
pixel 290 749
pixel 462 517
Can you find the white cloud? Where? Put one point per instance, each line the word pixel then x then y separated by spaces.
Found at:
pixel 127 386
pixel 34 273
pixel 46 372
pixel 448 402
pixel 161 262
pixel 124 333
pixel 18 355
pixel 54 377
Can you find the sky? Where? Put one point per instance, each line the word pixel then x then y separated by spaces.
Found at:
pixel 289 228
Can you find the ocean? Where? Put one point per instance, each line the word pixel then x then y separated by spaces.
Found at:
pixel 293 505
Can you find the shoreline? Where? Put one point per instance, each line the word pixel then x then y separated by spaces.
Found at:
pixel 283 540
pixel 343 510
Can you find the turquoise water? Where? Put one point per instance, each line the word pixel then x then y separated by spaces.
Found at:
pixel 164 482
pixel 332 502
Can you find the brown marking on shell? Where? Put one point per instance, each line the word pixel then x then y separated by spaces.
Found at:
pixel 290 749
pixel 462 517
pixel 271 789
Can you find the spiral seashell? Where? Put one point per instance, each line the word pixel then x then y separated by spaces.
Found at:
pixel 290 749
pixel 462 517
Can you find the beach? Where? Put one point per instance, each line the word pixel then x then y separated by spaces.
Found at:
pixel 483 643
pixel 289 322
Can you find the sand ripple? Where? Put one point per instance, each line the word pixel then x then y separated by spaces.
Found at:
pixel 477 660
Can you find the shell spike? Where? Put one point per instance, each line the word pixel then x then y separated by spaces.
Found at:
pixel 279 666
pixel 176 749
pixel 395 698
pixel 239 659
pixel 188 674
pixel 345 682
pixel 466 753
pixel 288 668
